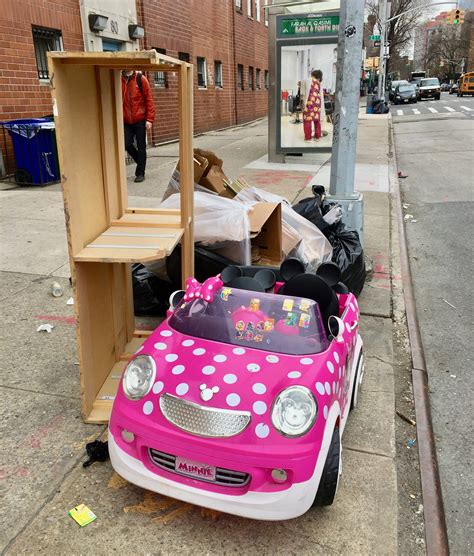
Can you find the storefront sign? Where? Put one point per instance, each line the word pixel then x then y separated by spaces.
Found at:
pixel 308 26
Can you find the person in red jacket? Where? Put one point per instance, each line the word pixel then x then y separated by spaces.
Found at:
pixel 138 116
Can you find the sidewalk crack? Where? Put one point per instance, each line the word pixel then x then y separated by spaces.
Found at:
pixel 379 359
pixel 368 452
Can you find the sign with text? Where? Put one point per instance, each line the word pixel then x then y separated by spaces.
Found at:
pixel 310 25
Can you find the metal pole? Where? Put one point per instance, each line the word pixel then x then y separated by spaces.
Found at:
pixel 383 28
pixel 349 60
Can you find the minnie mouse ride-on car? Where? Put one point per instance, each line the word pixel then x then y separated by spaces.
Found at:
pixel 238 400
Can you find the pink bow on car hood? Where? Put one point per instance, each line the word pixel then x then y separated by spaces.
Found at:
pixel 195 290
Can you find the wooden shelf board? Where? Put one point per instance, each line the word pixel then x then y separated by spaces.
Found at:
pixel 130 244
pixel 167 220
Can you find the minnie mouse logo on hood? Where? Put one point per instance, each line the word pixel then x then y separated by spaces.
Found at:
pixel 208 393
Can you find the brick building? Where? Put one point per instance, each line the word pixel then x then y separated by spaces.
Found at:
pixel 226 40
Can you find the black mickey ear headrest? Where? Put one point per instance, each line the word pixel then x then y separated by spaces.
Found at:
pixel 229 273
pixel 340 287
pixel 291 267
pixel 310 286
pixel 330 273
pixel 246 283
pixel 266 277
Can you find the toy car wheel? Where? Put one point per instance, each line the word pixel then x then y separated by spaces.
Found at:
pixel 357 381
pixel 331 473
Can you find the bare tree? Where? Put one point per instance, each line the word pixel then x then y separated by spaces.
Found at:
pixel 400 31
pixel 446 48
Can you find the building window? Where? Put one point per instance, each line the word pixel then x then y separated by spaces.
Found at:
pixel 218 74
pixel 183 56
pixel 240 77
pixel 257 78
pixel 250 77
pixel 250 8
pixel 201 72
pixel 45 40
pixel 266 79
pixel 238 5
pixel 159 79
pixel 265 14
pixel 257 10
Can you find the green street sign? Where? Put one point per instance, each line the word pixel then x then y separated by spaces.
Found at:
pixel 374 37
pixel 308 26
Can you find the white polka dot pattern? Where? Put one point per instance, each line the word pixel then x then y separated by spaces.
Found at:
pixel 182 389
pixel 306 361
pixel 272 359
pixel 187 343
pixel 230 378
pixel 320 388
pixel 199 351
pixel 259 388
pixel 178 369
pixel 294 374
pixel 330 367
pixel 166 333
pixel 327 387
pixel 262 430
pixel 171 357
pixel 160 346
pixel 325 411
pixel 336 357
pixel 158 387
pixel 147 407
pixel 220 358
pixel 259 407
pixel 233 400
pixel 208 370
pixel 253 367
pixel 238 351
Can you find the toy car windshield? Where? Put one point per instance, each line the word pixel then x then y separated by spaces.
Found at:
pixel 274 323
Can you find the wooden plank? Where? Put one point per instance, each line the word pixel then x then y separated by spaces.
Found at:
pixel 156 220
pixel 165 211
pixel 96 328
pixel 120 140
pixel 185 97
pixel 147 60
pixel 117 255
pixel 142 333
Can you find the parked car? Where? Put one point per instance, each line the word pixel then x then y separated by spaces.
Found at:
pixel 429 88
pixel 454 88
pixel 405 94
pixel 445 87
pixel 393 86
pixel 238 400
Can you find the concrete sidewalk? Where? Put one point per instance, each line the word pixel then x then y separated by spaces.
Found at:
pixel 43 475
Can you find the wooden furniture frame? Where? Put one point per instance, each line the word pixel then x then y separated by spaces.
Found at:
pixel 104 234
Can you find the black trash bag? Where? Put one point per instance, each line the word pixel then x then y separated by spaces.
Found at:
pixel 96 451
pixel 348 254
pixel 150 293
pixel 380 107
pixel 311 209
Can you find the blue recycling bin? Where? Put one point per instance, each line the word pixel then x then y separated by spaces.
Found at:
pixel 34 147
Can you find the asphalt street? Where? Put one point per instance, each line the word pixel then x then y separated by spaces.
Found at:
pixel 448 104
pixel 435 150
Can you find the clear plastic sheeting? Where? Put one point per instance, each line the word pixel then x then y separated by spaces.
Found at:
pixel 220 224
pixel 314 248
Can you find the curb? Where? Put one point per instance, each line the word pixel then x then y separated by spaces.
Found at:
pixel 436 536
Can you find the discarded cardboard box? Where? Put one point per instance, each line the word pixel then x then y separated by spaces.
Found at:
pixel 215 180
pixel 265 232
pixel 200 166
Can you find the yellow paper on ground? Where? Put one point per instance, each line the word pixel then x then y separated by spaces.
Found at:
pixel 82 515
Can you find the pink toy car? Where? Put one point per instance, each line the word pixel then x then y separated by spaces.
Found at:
pixel 238 401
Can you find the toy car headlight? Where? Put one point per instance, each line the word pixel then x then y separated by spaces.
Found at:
pixel 139 377
pixel 294 411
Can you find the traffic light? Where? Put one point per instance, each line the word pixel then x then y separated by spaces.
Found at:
pixel 456 17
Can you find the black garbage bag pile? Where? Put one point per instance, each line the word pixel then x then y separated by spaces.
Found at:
pixel 347 249
pixel 150 293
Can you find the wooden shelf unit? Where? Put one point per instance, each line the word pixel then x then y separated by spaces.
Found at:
pixel 105 235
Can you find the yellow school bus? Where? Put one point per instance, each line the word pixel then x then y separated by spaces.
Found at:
pixel 466 84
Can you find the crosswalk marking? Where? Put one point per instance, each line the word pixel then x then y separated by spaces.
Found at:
pixel 415 111
pixel 466 108
pixel 399 112
pixel 450 109
pixel 432 110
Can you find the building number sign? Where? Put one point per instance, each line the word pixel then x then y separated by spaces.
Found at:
pixel 114 26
